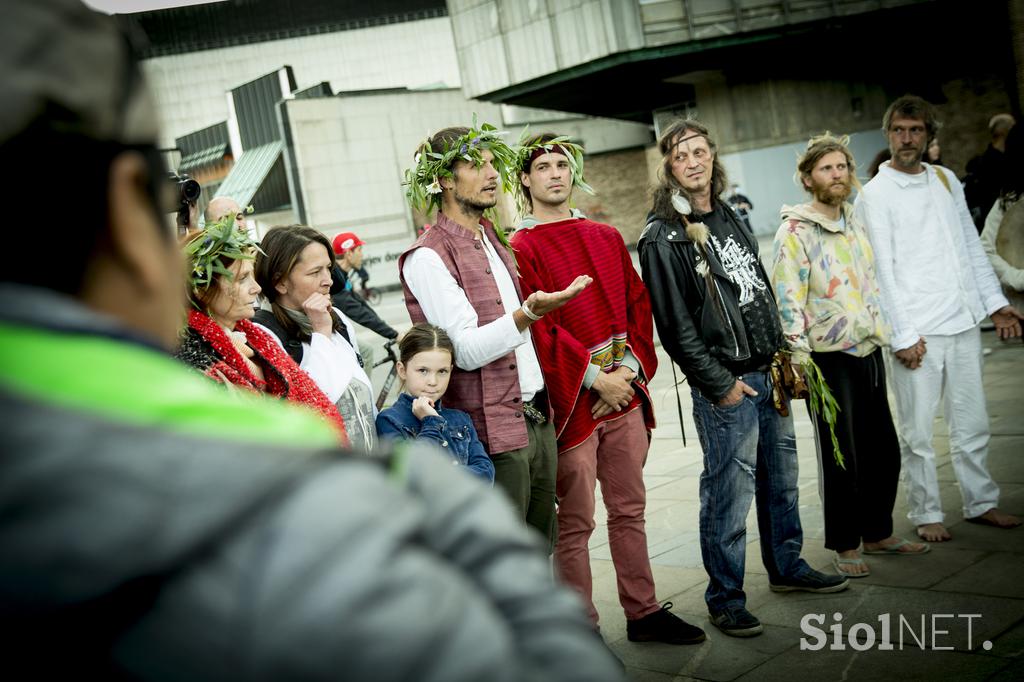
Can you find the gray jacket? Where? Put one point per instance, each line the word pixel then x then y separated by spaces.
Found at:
pixel 137 541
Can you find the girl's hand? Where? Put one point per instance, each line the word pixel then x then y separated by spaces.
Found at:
pixel 423 407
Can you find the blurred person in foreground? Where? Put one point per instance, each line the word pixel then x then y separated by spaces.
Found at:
pixel 153 527
pixel 824 279
pixel 936 286
pixel 1003 235
pixel 220 341
pixel 293 268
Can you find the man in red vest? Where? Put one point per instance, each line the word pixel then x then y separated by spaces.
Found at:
pixel 461 276
pixel 597 353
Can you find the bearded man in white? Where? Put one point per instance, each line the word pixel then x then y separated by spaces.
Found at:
pixel 937 285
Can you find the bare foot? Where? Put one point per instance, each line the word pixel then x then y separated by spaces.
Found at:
pixel 934 532
pixel 895 545
pixel 994 517
pixel 851 564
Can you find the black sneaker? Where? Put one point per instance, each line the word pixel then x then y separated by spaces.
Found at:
pixel 812 581
pixel 736 621
pixel 663 626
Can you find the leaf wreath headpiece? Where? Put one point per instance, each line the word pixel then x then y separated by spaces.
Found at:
pixel 207 249
pixel 423 180
pixel 529 147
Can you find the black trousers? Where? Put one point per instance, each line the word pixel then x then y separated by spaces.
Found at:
pixel 857 500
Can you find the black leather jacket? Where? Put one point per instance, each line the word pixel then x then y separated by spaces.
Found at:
pixel 709 347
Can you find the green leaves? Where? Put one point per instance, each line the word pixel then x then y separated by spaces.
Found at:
pixel 422 181
pixel 822 402
pixel 216 243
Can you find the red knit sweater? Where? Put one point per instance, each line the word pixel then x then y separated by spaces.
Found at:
pixel 612 314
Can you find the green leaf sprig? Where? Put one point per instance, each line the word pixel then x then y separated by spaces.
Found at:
pixel 207 250
pixel 821 401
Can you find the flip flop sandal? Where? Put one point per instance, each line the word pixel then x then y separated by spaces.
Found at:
pixel 895 548
pixel 839 563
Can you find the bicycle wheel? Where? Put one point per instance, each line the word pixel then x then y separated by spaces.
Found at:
pixel 373 296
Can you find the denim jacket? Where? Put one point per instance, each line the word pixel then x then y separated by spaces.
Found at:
pixel 452 431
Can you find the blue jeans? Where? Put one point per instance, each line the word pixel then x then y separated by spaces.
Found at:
pixel 749 452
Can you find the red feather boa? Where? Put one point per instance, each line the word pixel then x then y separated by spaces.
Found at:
pixel 284 378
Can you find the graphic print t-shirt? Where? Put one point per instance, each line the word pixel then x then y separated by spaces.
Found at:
pixel 760 315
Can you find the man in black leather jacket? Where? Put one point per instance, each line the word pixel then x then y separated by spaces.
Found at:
pixel 717 319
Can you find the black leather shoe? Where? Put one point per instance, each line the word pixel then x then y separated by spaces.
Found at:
pixel 663 626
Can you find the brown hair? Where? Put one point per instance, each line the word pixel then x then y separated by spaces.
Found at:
pixel 668 184
pixel 423 337
pixel 912 106
pixel 818 147
pixel 442 140
pixel 281 248
pixel 543 138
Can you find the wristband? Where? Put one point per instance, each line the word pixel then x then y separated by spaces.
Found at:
pixel 529 313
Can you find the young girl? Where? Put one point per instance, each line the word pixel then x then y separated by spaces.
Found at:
pixel 426 356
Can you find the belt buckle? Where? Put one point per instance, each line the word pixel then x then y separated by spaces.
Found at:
pixel 533 414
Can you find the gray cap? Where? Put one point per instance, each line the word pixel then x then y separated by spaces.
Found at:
pixel 60 52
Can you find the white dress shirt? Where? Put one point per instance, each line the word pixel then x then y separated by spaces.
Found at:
pixel 445 304
pixel 933 274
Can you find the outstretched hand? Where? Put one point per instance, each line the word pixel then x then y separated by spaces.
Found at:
pixel 1007 320
pixel 542 302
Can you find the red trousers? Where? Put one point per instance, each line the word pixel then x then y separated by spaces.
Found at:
pixel 614 455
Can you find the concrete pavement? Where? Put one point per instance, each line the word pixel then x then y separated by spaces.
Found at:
pixel 976 580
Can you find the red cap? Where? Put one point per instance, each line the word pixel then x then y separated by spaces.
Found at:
pixel 346 241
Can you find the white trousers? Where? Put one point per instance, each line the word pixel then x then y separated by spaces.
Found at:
pixel 951 372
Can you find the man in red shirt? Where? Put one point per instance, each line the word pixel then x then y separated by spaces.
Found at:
pixel 597 353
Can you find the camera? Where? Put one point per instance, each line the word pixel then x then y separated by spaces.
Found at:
pixel 188 189
pixel 188 197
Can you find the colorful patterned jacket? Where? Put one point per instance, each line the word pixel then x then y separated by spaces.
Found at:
pixel 824 280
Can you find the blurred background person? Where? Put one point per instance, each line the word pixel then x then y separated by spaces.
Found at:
pixel 1003 235
pixel 220 341
pixel 225 206
pixel 348 250
pixel 986 171
pixel 742 204
pixel 151 526
pixel 933 154
pixel 293 268
pixel 876 163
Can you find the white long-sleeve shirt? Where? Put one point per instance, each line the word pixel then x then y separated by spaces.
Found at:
pixel 933 273
pixel 445 304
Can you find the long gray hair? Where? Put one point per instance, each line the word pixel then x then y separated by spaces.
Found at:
pixel 668 185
